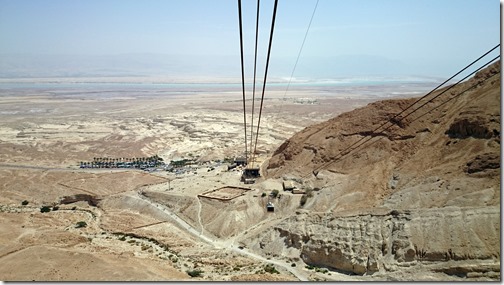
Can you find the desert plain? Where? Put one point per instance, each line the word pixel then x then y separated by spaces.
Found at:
pixel 151 225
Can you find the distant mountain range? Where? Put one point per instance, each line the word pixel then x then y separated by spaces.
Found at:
pixel 182 66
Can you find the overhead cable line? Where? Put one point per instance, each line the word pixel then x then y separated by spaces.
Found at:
pixel 265 74
pixel 254 84
pixel 243 77
pixel 447 80
pixel 418 100
pixel 433 90
pixel 456 96
pixel 352 148
pixel 301 49
pixel 467 76
pixel 431 100
pixel 393 119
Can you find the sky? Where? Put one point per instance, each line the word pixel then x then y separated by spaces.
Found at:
pixel 201 37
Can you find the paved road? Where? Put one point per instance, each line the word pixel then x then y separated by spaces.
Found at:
pixel 20 166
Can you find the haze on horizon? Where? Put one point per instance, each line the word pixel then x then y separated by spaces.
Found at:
pixel 181 38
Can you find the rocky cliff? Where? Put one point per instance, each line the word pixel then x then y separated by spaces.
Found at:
pixel 422 191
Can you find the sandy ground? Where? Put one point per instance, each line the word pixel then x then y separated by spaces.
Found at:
pixel 147 226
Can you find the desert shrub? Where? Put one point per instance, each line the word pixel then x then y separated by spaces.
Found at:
pixel 174 259
pixel 309 192
pixel 45 209
pixel 274 193
pixel 55 208
pixel 74 208
pixel 293 265
pixel 309 267
pixel 303 200
pixel 321 270
pixel 194 272
pixel 81 224
pixel 271 269
pixel 24 203
pixel 263 194
pixel 123 238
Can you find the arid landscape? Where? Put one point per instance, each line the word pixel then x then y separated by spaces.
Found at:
pixel 419 201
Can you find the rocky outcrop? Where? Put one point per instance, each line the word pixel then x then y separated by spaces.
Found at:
pixel 365 243
pixel 464 128
pixel 483 162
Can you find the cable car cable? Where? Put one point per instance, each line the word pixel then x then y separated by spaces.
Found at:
pixel 243 77
pixel 254 84
pixel 265 75
pixel 352 148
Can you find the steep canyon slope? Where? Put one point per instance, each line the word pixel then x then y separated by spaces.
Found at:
pixel 420 192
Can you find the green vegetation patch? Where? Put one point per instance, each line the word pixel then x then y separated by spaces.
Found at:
pixel 45 209
pixel 271 269
pixel 195 272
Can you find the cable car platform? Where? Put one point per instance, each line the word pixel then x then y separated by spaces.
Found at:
pixel 250 175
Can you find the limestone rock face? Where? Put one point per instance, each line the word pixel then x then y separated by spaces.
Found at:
pixel 364 243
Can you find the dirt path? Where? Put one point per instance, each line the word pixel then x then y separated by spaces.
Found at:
pixel 219 244
pixel 299 275
pixel 174 217
pixel 199 215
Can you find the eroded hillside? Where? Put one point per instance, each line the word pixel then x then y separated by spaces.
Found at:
pixel 421 192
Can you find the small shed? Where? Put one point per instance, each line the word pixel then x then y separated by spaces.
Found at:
pixel 298 191
pixel 289 185
pixel 270 207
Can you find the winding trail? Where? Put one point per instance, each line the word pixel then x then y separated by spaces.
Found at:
pixel 219 244
pixel 183 224
pixel 199 215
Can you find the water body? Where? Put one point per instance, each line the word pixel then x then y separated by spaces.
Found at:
pixel 366 86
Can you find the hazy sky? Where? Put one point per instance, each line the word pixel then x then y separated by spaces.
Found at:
pixel 347 37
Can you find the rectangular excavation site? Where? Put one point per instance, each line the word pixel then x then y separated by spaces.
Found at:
pixel 225 193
